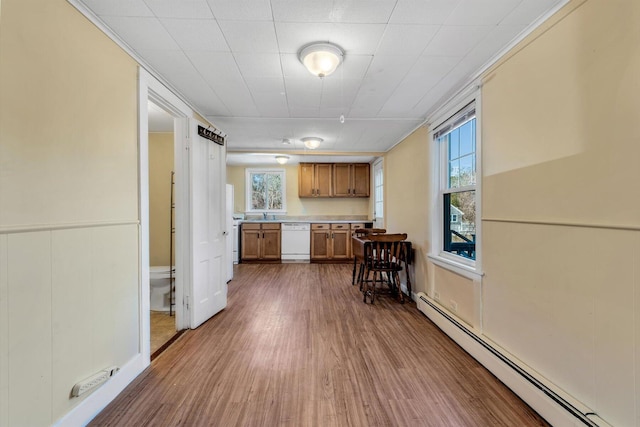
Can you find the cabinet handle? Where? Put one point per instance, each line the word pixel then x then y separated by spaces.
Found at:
pixel 258 234
pixel 332 235
pixel 327 235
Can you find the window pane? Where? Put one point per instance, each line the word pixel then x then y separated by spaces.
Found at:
pixel 454 174
pixel 454 144
pixel 258 191
pixel 467 138
pixel 467 174
pixel 460 230
pixel 274 195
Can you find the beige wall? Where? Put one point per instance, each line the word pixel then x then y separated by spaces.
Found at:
pixel 160 167
pixel 406 195
pixel 561 146
pixel 297 206
pixel 560 207
pixel 68 208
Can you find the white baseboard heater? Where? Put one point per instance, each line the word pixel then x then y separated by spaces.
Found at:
pixel 558 408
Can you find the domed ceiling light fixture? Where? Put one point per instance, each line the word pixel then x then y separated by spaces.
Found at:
pixel 282 159
pixel 311 142
pixel 321 59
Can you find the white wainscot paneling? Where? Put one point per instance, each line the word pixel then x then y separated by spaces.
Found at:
pixel 115 294
pixel 72 314
pixel 561 299
pixel 29 318
pixel 4 334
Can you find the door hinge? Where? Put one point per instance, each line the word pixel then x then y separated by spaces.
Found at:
pixel 186 301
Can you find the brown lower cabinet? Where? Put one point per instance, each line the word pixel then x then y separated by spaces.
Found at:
pixel 260 242
pixel 330 242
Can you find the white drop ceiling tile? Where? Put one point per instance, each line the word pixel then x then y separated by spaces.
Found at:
pixel 196 34
pixel 293 68
pixel 352 38
pixel 354 66
pixel 266 84
pixel 430 12
pixel 339 93
pixel 250 36
pixel 271 104
pixel 243 10
pixel 362 39
pixel 118 7
pixel 217 68
pixel 293 36
pixel 389 70
pixel 197 9
pixel 406 39
pixel 481 12
pixel 303 93
pixel 456 40
pixel 259 64
pixel 305 112
pixel 141 33
pixel 362 11
pixel 528 11
pixel 301 10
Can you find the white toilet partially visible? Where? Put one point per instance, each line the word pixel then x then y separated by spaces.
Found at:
pixel 159 287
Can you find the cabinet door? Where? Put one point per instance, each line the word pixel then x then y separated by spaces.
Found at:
pixel 323 180
pixel 306 180
pixel 270 244
pixel 251 243
pixel 320 241
pixel 360 180
pixel 342 180
pixel 340 241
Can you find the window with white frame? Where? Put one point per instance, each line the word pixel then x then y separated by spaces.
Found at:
pixel 455 139
pixel 266 190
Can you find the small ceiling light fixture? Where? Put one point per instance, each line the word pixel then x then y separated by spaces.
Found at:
pixel 282 159
pixel 321 59
pixel 311 142
pixel 286 141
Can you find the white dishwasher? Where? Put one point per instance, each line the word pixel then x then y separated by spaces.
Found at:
pixel 296 242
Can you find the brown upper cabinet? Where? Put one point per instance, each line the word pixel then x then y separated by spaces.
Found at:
pixel 351 180
pixel 333 180
pixel 314 180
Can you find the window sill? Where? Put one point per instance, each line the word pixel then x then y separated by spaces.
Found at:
pixel 457 267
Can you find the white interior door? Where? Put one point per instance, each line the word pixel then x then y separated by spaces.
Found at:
pixel 228 234
pixel 208 223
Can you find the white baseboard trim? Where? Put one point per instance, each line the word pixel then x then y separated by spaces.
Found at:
pixel 82 414
pixel 555 407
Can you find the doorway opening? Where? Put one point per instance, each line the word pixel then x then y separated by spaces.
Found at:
pixel 162 229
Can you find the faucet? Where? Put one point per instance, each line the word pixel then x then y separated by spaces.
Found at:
pixel 264 215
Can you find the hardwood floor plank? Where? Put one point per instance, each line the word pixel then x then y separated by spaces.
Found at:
pixel 296 346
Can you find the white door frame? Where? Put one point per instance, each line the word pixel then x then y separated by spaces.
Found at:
pixel 150 89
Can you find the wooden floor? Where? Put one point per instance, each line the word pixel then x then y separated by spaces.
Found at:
pixel 296 346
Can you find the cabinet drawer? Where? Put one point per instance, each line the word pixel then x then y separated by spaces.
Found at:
pixel 247 226
pixel 339 226
pixel 271 226
pixel 357 226
pixel 319 226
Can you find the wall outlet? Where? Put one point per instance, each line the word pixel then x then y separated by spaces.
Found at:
pixel 453 305
pixel 436 296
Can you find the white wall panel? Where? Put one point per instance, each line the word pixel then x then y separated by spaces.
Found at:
pixel 562 300
pixel 71 315
pixel 4 334
pixel 29 290
pixel 115 294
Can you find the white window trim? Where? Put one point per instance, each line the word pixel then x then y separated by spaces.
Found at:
pixel 460 265
pixel 247 192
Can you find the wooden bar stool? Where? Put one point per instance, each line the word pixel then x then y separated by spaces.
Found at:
pixel 363 232
pixel 383 257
